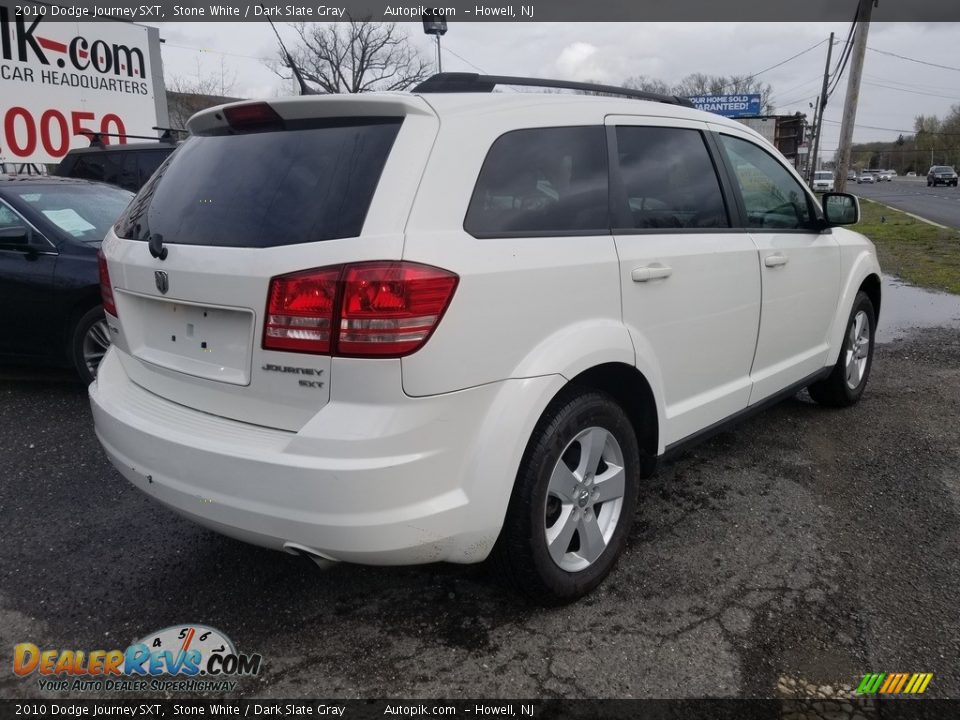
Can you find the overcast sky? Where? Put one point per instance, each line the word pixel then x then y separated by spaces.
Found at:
pixel 893 93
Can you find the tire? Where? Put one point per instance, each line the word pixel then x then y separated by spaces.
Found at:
pixel 89 341
pixel 846 382
pixel 541 506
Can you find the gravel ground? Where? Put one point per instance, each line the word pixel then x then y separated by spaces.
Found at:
pixel 786 557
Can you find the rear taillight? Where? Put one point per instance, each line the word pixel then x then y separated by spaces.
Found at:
pixel 300 311
pixel 106 287
pixel 390 308
pixel 372 309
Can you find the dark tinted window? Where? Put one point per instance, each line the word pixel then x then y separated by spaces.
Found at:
pixel 265 189
pixel 669 179
pixel 773 198
pixel 148 164
pixel 97 166
pixel 542 181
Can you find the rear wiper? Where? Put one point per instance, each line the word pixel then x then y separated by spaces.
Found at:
pixel 156 246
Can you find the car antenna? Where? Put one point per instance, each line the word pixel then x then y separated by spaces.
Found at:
pixel 304 88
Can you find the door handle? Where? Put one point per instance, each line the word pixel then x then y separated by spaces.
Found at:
pixel 776 260
pixel 651 272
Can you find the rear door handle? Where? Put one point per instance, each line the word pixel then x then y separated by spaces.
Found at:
pixel 651 272
pixel 776 260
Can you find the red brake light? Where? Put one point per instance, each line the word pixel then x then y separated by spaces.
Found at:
pixel 371 309
pixel 252 116
pixel 300 311
pixel 391 308
pixel 106 287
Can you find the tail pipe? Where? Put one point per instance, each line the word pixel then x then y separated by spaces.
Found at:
pixel 324 562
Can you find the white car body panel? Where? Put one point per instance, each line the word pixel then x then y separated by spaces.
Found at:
pixel 413 459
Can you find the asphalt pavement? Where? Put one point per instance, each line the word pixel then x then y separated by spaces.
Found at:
pixel 940 204
pixel 804 548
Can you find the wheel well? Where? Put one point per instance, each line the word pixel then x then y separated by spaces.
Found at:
pixel 871 286
pixel 630 389
pixel 89 299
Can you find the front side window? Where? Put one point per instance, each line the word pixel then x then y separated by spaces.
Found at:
pixel 669 179
pixel 542 181
pixel 773 198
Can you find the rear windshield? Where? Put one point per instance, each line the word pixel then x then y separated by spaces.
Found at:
pixel 265 189
pixel 824 176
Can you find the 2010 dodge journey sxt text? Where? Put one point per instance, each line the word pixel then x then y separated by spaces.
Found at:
pixel 406 328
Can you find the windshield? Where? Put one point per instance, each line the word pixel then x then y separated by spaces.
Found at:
pixel 824 176
pixel 84 212
pixel 265 189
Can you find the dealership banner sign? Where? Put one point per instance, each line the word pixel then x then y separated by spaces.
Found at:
pixel 728 105
pixel 61 82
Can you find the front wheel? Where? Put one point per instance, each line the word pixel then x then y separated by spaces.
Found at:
pixel 89 342
pixel 573 501
pixel 846 383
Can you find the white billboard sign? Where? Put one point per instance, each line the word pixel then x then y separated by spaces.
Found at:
pixel 61 81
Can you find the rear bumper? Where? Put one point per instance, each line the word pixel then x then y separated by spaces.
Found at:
pixel 401 481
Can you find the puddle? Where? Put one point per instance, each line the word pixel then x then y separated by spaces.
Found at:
pixel 906 307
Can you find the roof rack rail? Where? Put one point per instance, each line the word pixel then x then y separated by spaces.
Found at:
pixel 455 82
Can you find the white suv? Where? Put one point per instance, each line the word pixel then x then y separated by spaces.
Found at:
pixel 407 328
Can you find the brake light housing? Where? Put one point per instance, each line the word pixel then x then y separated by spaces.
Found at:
pixel 382 308
pixel 252 117
pixel 106 287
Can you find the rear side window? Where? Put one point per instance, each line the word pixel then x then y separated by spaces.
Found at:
pixel 265 189
pixel 540 182
pixel 669 179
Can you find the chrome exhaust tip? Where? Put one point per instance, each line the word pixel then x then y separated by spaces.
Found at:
pixel 324 562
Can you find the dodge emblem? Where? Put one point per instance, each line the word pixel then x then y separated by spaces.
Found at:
pixel 163 282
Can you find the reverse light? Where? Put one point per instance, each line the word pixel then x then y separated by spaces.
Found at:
pixel 370 309
pixel 106 287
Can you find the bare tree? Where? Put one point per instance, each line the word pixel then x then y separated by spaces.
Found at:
pixel 355 56
pixel 651 85
pixel 187 95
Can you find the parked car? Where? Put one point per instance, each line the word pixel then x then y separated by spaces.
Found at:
pixel 475 345
pixel 866 177
pixel 50 230
pixel 941 175
pixel 823 181
pixel 128 166
pixel 911 174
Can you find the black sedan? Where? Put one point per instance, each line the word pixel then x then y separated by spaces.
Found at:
pixel 50 231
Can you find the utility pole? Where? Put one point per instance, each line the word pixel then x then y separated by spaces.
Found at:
pixel 818 114
pixel 859 51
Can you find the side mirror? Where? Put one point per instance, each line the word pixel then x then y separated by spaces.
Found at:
pixel 841 209
pixel 17 236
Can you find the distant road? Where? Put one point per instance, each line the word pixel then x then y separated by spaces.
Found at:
pixel 939 204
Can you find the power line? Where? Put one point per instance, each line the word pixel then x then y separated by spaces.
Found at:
pixel 916 60
pixel 845 56
pixel 896 130
pixel 912 84
pixel 912 92
pixel 795 87
pixel 475 67
pixel 772 67
pixel 217 52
